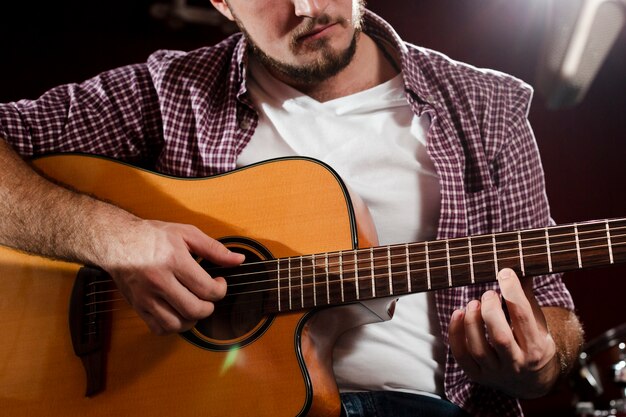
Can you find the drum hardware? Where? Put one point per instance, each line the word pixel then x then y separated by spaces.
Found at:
pixel 588 381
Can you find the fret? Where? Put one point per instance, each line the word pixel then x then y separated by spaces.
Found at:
pixel 364 273
pixel 343 297
pixel 335 289
pixel 595 248
pixel 327 278
pixel 321 278
pixel 580 261
pixel 347 270
pixel 408 267
pixel 302 286
pixel 313 278
pixel 471 260
pixel 426 254
pixel 418 267
pixel 295 284
pixel 399 270
pixel 381 271
pixel 448 267
pixel 438 264
pixel 289 281
pixel 356 275
pixel 495 254
pixel 507 247
pixel 548 251
pixel 521 253
pixel 608 239
pixel 389 272
pixel 535 255
pixel 280 307
pixel 617 233
pixel 306 279
pixel 372 272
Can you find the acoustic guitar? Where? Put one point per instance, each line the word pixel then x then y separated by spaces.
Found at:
pixel 73 347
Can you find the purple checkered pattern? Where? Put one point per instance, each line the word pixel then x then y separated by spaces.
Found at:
pixel 187 114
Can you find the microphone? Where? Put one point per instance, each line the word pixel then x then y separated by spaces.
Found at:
pixel 579 36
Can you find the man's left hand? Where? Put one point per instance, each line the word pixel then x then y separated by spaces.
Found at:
pixel 517 357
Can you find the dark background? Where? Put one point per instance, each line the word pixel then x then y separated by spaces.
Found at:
pixel 583 148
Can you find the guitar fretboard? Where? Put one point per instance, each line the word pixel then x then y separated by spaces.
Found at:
pixel 305 282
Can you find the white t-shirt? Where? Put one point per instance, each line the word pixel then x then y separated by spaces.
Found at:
pixel 378 147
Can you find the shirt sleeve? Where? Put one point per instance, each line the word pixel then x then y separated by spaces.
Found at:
pixel 114 114
pixel 524 202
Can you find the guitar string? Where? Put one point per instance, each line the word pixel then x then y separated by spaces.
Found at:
pixel 540 238
pixel 475 252
pixel 433 269
pixel 402 246
pixel 334 281
pixel 217 314
pixel 431 261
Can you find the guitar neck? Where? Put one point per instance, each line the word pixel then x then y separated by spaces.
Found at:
pixel 334 278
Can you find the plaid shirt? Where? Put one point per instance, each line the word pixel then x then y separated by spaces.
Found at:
pixel 188 114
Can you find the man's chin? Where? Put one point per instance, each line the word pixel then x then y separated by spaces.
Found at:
pixel 310 67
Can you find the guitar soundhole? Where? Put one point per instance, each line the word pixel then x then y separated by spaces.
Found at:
pixel 238 319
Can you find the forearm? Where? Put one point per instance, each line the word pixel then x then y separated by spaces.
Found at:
pixel 150 261
pixel 567 332
pixel 44 218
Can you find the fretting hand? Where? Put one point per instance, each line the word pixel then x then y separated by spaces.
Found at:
pixel 518 358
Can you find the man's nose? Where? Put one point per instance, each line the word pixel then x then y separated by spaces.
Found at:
pixel 310 8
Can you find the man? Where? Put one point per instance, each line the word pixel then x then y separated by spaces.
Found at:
pixel 437 149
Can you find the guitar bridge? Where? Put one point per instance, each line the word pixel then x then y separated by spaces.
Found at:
pixel 89 320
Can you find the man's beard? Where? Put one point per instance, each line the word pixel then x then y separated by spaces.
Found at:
pixel 328 62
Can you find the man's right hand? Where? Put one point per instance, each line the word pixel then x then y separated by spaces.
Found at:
pixel 150 261
pixel 153 266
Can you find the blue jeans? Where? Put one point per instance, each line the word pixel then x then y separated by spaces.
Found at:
pixel 396 404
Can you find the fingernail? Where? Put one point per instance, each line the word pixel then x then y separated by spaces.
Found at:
pixel 457 315
pixel 504 274
pixel 489 294
pixel 473 305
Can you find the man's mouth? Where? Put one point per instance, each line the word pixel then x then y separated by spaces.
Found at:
pixel 316 32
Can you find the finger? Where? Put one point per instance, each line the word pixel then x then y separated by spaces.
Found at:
pixel 211 249
pixel 477 343
pixel 520 311
pixel 194 278
pixel 458 345
pixel 528 286
pixel 162 319
pixel 498 329
pixel 187 304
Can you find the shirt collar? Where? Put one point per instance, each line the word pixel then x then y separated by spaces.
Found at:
pixel 384 34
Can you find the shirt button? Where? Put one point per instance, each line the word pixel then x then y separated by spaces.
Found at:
pixel 244 124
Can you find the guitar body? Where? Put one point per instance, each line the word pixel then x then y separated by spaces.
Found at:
pixel 289 207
